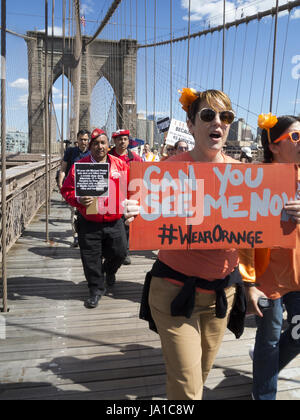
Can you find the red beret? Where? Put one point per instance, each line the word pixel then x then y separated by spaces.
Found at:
pixel 121 133
pixel 96 133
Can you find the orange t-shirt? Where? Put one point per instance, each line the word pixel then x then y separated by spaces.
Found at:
pixel 283 273
pixel 207 264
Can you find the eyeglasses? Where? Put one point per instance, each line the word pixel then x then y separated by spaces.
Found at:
pixel 208 115
pixel 182 148
pixel 294 136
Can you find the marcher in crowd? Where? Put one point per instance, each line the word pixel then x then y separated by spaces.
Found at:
pixel 246 155
pixel 192 293
pixel 167 150
pixel 120 150
pixel 148 156
pixel 275 274
pixel 181 146
pixel 100 235
pixel 72 155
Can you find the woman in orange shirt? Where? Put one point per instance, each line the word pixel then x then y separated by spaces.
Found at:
pixel 191 293
pixel 275 275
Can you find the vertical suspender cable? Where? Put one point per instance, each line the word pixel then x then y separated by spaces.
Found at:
pixel 171 59
pixel 223 47
pixel 77 70
pixel 50 108
pixel 188 51
pixel 3 151
pixel 154 73
pixel 146 72
pixel 274 56
pixel 63 75
pixel 136 72
pixel 69 80
pixel 46 122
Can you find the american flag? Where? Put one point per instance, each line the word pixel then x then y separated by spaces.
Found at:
pixel 83 21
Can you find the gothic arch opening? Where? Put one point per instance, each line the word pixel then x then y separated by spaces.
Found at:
pixel 103 107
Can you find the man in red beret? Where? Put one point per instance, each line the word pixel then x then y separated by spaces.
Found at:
pixel 121 151
pixel 100 235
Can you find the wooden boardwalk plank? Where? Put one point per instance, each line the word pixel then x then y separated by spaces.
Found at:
pixel 57 349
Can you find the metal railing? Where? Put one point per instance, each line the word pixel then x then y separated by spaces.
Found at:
pixel 26 193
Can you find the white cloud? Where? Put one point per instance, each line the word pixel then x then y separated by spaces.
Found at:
pixel 23 100
pixel 87 7
pixel 295 14
pixel 19 84
pixel 57 31
pixel 211 12
pixel 58 106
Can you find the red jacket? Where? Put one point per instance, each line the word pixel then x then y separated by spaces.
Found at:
pixel 109 208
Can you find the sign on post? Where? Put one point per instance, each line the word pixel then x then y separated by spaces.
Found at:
pixel 163 124
pixel 179 131
pixel 212 206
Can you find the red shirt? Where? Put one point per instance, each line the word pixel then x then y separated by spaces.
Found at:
pixel 129 157
pixel 109 209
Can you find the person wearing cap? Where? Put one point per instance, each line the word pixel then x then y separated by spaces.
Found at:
pixel 100 235
pixel 72 155
pixel 246 155
pixel 121 151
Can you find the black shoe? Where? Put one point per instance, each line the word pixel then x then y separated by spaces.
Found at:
pixel 92 302
pixel 127 260
pixel 110 280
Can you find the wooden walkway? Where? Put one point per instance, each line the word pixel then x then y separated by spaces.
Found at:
pixel 54 348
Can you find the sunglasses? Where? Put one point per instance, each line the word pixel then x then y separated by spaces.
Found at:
pixel 182 148
pixel 208 115
pixel 294 137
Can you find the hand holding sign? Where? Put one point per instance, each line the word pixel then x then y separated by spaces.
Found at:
pixel 131 210
pixel 91 181
pixel 293 209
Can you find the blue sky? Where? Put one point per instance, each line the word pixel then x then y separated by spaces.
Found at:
pixel 244 56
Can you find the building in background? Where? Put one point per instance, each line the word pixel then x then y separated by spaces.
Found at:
pixel 240 134
pixel 147 130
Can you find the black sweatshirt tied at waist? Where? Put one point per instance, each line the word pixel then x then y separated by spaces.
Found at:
pixel 183 304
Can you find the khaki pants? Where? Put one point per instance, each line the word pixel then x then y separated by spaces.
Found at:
pixel 189 345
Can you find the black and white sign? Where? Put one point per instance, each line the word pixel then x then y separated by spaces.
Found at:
pixel 179 131
pixel 92 179
pixel 163 124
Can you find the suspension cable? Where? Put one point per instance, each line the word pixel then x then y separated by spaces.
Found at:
pixel 274 56
pixel 223 46
pixel 46 119
pixel 109 14
pixel 188 51
pixel 3 154
pixel 283 58
pixel 171 60
pixel 287 6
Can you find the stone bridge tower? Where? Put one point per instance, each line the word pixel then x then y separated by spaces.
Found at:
pixel 114 60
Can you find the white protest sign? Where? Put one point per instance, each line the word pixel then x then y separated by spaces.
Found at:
pixel 179 131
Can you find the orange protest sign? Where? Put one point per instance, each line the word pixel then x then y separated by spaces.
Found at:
pixel 188 205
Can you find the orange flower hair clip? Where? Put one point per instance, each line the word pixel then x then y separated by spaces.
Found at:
pixel 266 122
pixel 188 96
